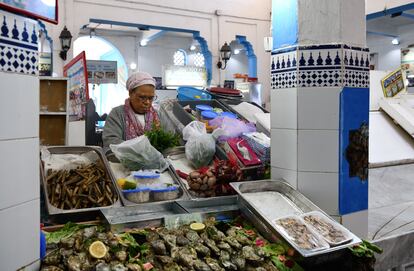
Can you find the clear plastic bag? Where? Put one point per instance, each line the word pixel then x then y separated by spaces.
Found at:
pixel 138 153
pixel 230 128
pixel 200 147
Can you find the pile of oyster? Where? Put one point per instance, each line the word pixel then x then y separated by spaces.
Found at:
pixel 215 248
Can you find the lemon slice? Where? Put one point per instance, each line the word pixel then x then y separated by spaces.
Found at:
pixel 121 182
pixel 97 249
pixel 197 226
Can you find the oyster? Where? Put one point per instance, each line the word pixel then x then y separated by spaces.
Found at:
pixel 212 246
pixel 159 247
pixel 133 267
pixel 243 239
pixel 214 233
pixel 192 236
pixel 233 242
pixel 152 236
pixel 213 264
pixel 172 267
pixel 182 241
pixel 53 258
pixel 224 246
pixel 67 242
pixel 202 250
pixel 249 254
pixel 102 237
pixel 51 268
pixel 102 267
pixel 187 256
pixel 121 255
pixel 74 263
pixel 118 267
pixel 199 265
pixel 170 240
pixel 239 261
pixel 89 232
pixel 164 259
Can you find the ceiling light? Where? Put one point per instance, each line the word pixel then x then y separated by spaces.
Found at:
pixel 395 41
pixel 50 3
pixel 143 42
pixel 133 66
pixel 192 47
pixel 236 51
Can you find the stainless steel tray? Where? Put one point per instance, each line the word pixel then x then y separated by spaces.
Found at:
pixel 179 152
pixel 299 201
pixel 52 210
pixel 182 195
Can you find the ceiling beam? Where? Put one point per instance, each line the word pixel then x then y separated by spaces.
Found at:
pixel 382 34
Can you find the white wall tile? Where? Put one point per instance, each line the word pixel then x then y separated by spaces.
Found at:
pixel 284 148
pixel 290 176
pixel 321 188
pixel 283 108
pixel 19 107
pixel 318 108
pixel 318 150
pixel 357 223
pixel 19 171
pixel 20 235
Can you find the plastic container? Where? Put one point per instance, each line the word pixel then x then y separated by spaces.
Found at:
pixel 228 115
pixel 192 94
pixel 203 107
pixel 208 115
pixel 145 177
pixel 333 233
pixel 138 195
pixel 167 193
pixel 294 229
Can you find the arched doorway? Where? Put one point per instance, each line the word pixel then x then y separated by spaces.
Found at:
pixel 105 96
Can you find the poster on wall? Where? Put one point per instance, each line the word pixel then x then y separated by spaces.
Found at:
pixel 102 72
pixel 45 64
pixel 46 10
pixel 77 73
pixel 407 64
pixel 393 83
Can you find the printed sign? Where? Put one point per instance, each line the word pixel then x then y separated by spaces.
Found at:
pixel 407 64
pixel 102 72
pixel 175 76
pixel 46 10
pixel 76 71
pixel 45 64
pixel 393 83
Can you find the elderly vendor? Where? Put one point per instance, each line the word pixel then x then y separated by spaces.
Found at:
pixel 136 116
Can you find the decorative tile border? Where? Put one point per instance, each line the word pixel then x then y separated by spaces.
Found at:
pixel 18 44
pixel 331 65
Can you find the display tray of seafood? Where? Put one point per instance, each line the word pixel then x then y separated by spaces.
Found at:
pixel 334 233
pixel 145 186
pixel 206 183
pixel 294 217
pixel 206 245
pixel 77 179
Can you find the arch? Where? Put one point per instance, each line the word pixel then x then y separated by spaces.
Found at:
pixel 208 58
pixel 105 96
pixel 184 55
pixel 252 59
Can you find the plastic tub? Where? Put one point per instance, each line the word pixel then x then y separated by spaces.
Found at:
pixel 146 177
pixel 192 94
pixel 208 115
pixel 167 193
pixel 204 107
pixel 138 195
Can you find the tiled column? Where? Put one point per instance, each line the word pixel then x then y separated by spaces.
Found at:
pixel 320 103
pixel 19 143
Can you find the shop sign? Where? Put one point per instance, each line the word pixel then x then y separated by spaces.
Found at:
pixel 393 83
pixel 407 64
pixel 176 76
pixel 76 71
pixel 102 72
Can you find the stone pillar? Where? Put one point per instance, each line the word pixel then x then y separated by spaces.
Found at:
pixel 320 104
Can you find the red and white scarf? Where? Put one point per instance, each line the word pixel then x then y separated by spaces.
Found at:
pixel 133 128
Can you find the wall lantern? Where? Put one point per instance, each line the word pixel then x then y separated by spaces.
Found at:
pixel 65 41
pixel 225 54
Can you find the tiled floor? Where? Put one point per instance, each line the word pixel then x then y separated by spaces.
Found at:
pixel 391 201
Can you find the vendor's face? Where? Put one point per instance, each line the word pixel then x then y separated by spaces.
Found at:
pixel 141 98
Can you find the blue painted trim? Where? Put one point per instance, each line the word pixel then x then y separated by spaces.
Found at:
pixel 390 11
pixel 381 34
pixel 143 26
pixel 321 47
pixel 406 15
pixel 155 36
pixel 17 44
pixel 252 59
pixel 208 58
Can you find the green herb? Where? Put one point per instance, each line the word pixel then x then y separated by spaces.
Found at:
pixel 68 230
pixel 274 249
pixel 162 140
pixel 365 250
pixel 127 240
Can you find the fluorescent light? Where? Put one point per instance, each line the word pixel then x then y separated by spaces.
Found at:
pixel 143 42
pixel 395 41
pixel 192 47
pixel 133 66
pixel 410 76
pixel 236 51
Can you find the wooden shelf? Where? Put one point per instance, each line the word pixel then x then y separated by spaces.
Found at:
pixel 52 113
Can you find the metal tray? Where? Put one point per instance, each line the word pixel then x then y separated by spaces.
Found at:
pixel 178 153
pixel 52 210
pixel 299 201
pixel 182 195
